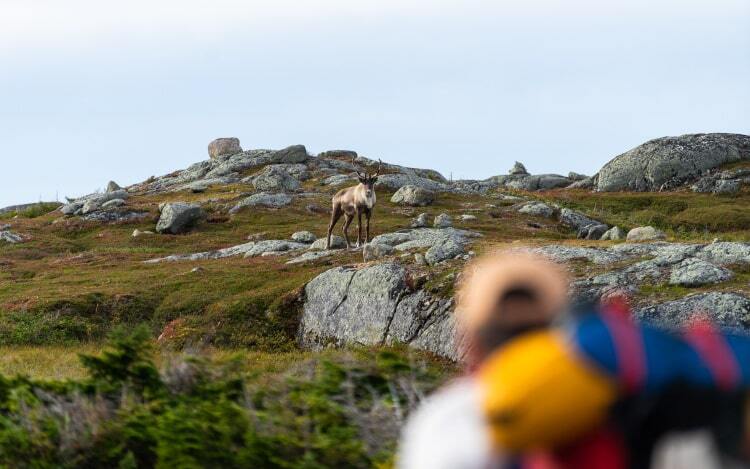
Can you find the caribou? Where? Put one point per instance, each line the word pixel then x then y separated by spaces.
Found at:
pixel 355 200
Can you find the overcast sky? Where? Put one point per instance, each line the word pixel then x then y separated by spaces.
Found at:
pixel 93 90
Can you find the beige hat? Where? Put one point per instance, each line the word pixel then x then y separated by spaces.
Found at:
pixel 486 280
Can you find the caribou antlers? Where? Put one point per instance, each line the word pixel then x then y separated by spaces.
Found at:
pixel 365 175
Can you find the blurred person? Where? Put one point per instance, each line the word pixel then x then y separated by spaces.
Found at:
pixel 607 392
pixel 499 297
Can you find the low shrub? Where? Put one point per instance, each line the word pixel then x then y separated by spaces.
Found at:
pixel 341 411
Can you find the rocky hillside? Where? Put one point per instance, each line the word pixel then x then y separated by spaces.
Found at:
pixel 231 251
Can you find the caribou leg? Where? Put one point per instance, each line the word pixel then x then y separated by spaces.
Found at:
pixel 359 228
pixel 335 215
pixel 347 221
pixel 368 213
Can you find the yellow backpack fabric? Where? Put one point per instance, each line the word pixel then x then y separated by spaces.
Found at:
pixel 537 394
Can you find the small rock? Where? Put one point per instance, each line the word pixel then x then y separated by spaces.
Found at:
pixel 413 196
pixel 304 237
pixel 420 221
pixel 695 272
pixel 518 169
pixel 10 237
pixel 372 251
pixel 224 146
pixel 337 242
pixel 443 221
pixel 614 234
pixel 592 232
pixel 137 233
pixel 112 186
pixel 727 186
pixel 178 217
pixel 196 270
pixel 419 259
pixel 537 209
pixel 645 233
pixel 576 220
pixel 113 203
pixel 468 217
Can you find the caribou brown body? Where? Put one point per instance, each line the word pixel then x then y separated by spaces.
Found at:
pixel 354 201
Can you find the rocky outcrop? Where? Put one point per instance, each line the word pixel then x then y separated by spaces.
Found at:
pixel 224 146
pixel 375 306
pixel 92 202
pixel 274 179
pixel 291 154
pixel 518 169
pixel 252 249
pixel 730 310
pixel 671 161
pixel 10 237
pixel 178 217
pixel 413 196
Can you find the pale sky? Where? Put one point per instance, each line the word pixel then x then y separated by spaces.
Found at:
pixel 93 90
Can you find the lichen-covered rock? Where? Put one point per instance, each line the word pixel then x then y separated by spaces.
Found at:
pixel 695 272
pixel 726 253
pixel 645 233
pixel 338 179
pixel 337 242
pixel 224 146
pixel 671 160
pixel 576 220
pixel 304 237
pixel 178 217
pixel 263 199
pixel 518 169
pixel 727 186
pixel 424 238
pixel 614 234
pixel 725 309
pixel 446 249
pixel 592 232
pixel 442 221
pixel 420 221
pixel 537 182
pixel 112 186
pixel 10 237
pixel 537 209
pixel 113 203
pixel 291 154
pixel 273 246
pixel 373 251
pixel 274 179
pixel 395 181
pixel 413 196
pixel 374 306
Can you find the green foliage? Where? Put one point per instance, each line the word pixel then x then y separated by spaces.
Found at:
pixel 682 212
pixel 34 211
pixel 341 410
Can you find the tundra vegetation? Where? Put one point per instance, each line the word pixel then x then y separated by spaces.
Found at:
pixel 197 363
